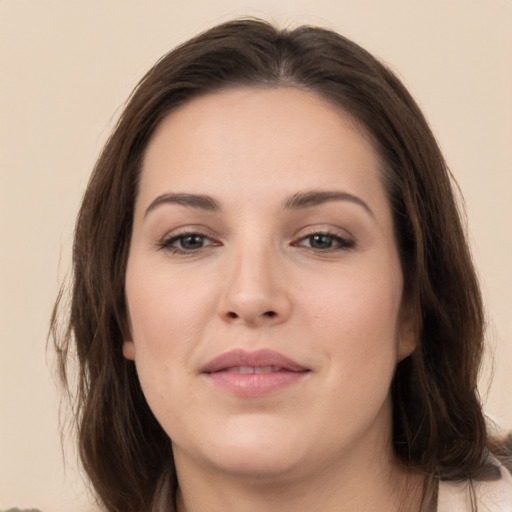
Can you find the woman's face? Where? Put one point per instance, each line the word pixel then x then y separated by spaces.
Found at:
pixel 264 286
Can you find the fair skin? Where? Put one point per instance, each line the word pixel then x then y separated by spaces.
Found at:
pixel 293 252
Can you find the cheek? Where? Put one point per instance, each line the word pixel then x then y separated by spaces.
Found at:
pixel 164 330
pixel 356 323
pixel 167 320
pixel 166 313
pixel 355 305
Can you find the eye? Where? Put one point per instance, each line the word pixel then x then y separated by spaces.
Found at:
pixel 186 243
pixel 325 242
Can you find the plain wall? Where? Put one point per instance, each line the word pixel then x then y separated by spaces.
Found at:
pixel 66 67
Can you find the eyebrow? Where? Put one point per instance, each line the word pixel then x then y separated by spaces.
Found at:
pixel 298 201
pixel 316 197
pixel 196 201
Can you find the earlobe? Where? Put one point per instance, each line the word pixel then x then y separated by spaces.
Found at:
pixel 408 333
pixel 129 350
pixel 128 344
pixel 407 342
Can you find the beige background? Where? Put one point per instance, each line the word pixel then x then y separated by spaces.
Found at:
pixel 66 67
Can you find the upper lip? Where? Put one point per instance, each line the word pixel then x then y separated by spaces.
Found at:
pixel 257 359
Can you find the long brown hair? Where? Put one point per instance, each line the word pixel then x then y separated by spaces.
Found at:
pixel 439 428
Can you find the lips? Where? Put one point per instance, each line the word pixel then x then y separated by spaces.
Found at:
pixel 258 360
pixel 252 374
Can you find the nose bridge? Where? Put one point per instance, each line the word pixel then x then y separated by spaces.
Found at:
pixel 254 290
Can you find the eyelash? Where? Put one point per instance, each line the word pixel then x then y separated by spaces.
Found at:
pixel 338 243
pixel 167 244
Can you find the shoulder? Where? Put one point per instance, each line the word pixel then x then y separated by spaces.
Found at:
pixel 491 496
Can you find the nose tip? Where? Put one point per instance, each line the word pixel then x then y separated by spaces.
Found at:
pixel 254 294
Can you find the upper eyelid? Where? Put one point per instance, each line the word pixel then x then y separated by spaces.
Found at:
pixel 324 229
pixel 188 230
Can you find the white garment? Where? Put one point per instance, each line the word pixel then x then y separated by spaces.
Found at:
pixel 493 496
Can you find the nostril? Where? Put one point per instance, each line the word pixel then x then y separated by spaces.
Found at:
pixel 268 314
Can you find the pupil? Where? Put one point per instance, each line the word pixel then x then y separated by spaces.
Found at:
pixel 192 242
pixel 321 241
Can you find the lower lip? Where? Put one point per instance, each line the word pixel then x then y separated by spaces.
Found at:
pixel 255 384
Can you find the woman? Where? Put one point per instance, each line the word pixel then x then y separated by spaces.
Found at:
pixel 274 306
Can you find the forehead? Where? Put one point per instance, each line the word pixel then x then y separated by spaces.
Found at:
pixel 249 138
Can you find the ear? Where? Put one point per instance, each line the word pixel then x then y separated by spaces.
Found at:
pixel 129 349
pixel 128 344
pixel 408 331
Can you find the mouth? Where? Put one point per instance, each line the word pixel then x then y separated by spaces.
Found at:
pixel 245 370
pixel 253 374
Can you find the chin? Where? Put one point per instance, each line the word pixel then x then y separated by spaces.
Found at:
pixel 263 467
pixel 262 452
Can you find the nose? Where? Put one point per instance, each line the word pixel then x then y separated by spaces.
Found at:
pixel 255 290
